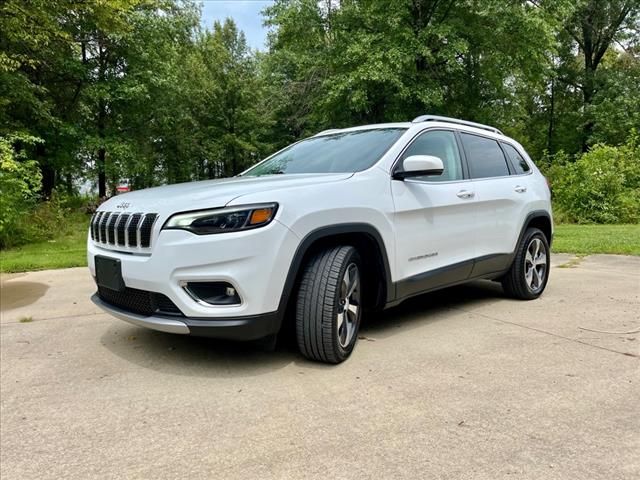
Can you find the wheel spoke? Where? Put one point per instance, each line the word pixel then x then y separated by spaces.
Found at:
pixel 542 259
pixel 341 316
pixel 538 277
pixel 349 332
pixel 346 280
pixel 529 277
pixel 355 280
pixel 528 257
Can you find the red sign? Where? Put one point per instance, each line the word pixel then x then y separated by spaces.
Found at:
pixel 122 188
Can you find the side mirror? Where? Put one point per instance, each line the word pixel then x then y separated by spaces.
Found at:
pixel 418 165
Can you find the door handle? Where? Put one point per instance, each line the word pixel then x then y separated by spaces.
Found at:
pixel 465 194
pixel 520 189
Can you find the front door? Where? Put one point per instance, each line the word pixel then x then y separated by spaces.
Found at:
pixel 435 218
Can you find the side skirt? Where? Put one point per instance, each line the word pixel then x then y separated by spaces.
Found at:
pixel 490 266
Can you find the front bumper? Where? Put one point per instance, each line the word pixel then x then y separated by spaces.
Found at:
pixel 255 263
pixel 250 327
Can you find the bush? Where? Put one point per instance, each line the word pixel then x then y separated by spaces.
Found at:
pixel 23 219
pixel 601 186
pixel 19 183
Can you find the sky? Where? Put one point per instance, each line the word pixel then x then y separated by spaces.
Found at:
pixel 246 14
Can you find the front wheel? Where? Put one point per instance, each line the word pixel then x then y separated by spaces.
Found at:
pixel 329 307
pixel 529 273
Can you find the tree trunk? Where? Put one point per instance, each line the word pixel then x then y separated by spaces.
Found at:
pixel 102 153
pixel 101 161
pixel 102 176
pixel 588 92
pixel 47 171
pixel 551 118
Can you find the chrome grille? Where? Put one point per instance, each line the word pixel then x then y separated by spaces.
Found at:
pixel 123 229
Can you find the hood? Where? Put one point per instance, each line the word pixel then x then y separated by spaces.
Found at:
pixel 182 197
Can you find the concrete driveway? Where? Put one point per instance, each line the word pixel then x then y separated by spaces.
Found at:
pixel 457 384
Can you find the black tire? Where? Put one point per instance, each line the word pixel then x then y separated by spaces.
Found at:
pixel 515 282
pixel 320 302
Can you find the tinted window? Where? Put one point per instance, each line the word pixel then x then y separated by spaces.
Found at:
pixel 441 144
pixel 520 165
pixel 340 152
pixel 484 156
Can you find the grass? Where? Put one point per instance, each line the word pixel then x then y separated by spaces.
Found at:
pixel 590 239
pixel 69 250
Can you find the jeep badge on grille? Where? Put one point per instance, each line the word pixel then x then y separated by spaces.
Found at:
pixel 123 205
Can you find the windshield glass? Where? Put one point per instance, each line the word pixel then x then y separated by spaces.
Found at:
pixel 336 153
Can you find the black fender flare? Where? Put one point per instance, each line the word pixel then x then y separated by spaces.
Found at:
pixel 532 216
pixel 330 231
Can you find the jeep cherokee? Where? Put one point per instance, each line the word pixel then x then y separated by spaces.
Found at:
pixel 346 221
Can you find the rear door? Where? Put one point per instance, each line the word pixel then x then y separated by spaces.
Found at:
pixel 500 197
pixel 434 218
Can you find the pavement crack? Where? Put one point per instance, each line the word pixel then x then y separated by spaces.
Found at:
pixel 58 317
pixel 545 332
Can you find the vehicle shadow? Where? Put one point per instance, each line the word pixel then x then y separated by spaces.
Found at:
pixel 204 357
pixel 430 307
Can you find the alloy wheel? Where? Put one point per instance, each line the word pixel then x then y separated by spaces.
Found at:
pixel 535 265
pixel 349 308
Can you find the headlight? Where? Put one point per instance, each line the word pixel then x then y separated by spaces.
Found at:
pixel 221 220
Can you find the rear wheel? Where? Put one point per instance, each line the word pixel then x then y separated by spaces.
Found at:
pixel 329 308
pixel 529 273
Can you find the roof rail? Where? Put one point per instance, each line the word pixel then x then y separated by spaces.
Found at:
pixel 437 118
pixel 325 132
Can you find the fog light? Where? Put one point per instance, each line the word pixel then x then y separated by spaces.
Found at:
pixel 212 293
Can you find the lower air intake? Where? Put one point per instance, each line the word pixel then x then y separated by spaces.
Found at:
pixel 141 302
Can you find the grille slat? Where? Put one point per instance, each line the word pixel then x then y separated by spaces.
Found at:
pixel 111 228
pixel 132 229
pixel 141 302
pixel 103 227
pixel 145 229
pixel 123 229
pixel 91 231
pixel 96 225
pixel 122 225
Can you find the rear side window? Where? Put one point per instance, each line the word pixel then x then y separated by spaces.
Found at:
pixel 520 165
pixel 485 157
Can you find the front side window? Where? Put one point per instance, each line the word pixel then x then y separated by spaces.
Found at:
pixel 485 157
pixel 441 144
pixel 336 153
pixel 519 163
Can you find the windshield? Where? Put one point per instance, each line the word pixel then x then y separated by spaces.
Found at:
pixel 336 153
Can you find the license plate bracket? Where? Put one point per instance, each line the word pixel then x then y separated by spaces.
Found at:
pixel 109 273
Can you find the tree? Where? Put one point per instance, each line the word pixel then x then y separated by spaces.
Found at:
pixel 359 61
pixel 226 101
pixel 593 27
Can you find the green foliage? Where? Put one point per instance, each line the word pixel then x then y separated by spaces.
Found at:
pixel 22 218
pixel 44 221
pixel 600 186
pixel 368 61
pixel 590 239
pixel 67 247
pixel 19 184
pixel 135 91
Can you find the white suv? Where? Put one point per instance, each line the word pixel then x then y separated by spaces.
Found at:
pixel 347 220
